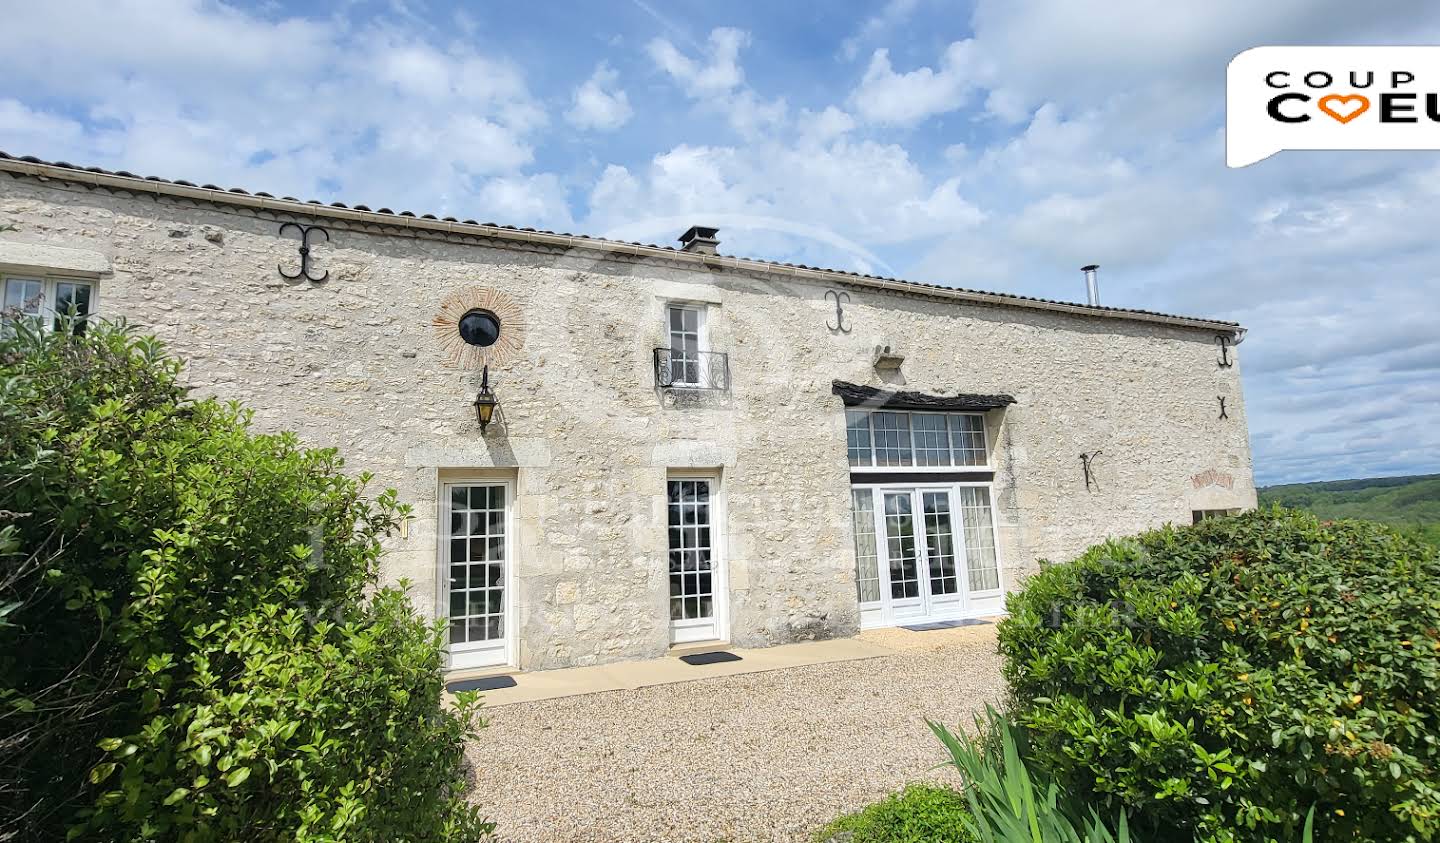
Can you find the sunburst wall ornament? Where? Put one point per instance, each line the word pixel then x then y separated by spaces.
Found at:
pixel 478 326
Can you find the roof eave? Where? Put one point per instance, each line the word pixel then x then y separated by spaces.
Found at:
pixel 114 181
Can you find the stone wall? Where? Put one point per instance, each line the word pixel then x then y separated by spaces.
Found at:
pixel 353 363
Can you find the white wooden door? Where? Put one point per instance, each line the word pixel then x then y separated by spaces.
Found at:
pixel 921 555
pixel 696 589
pixel 902 555
pixel 476 598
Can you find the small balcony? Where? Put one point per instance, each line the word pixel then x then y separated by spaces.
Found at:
pixel 692 370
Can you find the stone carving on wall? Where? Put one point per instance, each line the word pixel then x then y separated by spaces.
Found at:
pixel 1213 477
pixel 461 354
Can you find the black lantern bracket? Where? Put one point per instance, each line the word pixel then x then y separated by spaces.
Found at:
pixel 306 241
pixel 1087 464
pixel 839 325
pixel 485 401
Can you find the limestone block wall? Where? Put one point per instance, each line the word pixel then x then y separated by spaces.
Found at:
pixel 587 439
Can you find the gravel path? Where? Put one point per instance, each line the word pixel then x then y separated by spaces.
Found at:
pixel 758 757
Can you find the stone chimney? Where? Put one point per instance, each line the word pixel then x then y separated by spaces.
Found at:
pixel 700 240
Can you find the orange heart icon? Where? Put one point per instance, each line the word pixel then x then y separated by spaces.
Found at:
pixel 1351 106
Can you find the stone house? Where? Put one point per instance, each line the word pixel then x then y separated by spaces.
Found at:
pixel 682 447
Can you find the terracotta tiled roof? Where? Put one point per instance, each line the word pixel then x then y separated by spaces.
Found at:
pixel 57 169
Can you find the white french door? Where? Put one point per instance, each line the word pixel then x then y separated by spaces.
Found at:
pixel 476 575
pixel 924 553
pixel 696 583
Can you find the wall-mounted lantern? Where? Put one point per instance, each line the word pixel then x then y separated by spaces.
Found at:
pixel 485 401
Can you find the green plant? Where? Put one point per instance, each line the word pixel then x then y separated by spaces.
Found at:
pixel 921 813
pixel 193 640
pixel 1216 681
pixel 1010 802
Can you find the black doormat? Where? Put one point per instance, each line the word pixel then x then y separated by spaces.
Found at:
pixel 489 683
pixel 926 627
pixel 710 658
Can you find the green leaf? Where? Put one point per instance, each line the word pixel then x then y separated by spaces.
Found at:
pixel 238 777
pixel 100 772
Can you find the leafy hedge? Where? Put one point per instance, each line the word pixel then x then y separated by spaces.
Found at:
pixel 921 813
pixel 1219 680
pixel 193 643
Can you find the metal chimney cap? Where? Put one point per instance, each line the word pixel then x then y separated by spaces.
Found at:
pixel 1091 268
pixel 699 238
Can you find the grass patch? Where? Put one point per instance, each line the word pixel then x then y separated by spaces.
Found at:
pixel 921 813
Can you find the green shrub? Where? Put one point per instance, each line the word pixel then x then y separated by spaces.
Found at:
pixel 921 813
pixel 1012 803
pixel 193 642
pixel 1219 680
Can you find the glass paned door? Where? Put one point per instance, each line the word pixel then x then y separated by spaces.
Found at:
pixel 903 555
pixel 690 524
pixel 476 554
pixel 942 580
pixel 923 553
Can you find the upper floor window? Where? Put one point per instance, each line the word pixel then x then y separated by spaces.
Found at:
pixel 686 324
pixel 886 439
pixel 48 300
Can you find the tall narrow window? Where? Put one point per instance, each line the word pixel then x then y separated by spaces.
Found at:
pixel 978 518
pixel 940 542
pixel 900 546
pixel 477 564
pixel 867 569
pixel 692 593
pixel 857 437
pixel 686 325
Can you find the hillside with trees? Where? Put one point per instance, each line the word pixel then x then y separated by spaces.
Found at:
pixel 1411 503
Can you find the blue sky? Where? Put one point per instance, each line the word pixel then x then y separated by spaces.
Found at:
pixel 995 145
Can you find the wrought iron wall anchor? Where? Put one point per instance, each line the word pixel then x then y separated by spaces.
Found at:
pixel 1224 343
pixel 839 312
pixel 1087 463
pixel 1223 414
pixel 305 244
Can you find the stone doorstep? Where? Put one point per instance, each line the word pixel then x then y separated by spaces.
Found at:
pixel 630 675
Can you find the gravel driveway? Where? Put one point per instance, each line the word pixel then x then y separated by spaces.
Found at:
pixel 756 757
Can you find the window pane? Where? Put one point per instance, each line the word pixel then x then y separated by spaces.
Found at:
pixel 71 295
pixel 689 546
pixel 900 543
pixel 892 438
pixel 24 295
pixel 932 441
pixel 967 437
pixel 940 543
pixel 867 569
pixel 978 520
pixel 857 436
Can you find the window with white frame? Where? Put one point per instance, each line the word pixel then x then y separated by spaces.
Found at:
pixel 887 438
pixel 686 326
pixel 48 300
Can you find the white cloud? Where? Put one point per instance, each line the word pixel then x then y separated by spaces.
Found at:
pixel 371 112
pixel 597 104
pixel 537 197
pixel 887 98
pixel 894 13
pixel 718 73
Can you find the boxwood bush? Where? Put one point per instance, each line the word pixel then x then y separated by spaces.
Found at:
pixel 1219 680
pixel 193 641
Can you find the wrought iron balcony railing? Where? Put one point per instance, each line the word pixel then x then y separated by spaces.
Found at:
pixel 679 369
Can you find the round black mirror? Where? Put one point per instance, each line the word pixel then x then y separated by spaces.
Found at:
pixel 480 327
